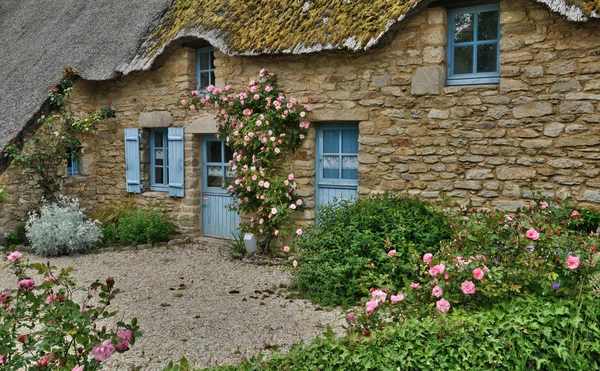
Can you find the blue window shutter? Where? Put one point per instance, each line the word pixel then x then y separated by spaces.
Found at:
pixel 132 161
pixel 176 166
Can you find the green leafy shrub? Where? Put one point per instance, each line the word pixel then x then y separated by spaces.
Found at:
pixel 523 334
pixel 110 214
pixel 347 251
pixel 43 327
pixel 18 237
pixel 60 228
pixel 144 226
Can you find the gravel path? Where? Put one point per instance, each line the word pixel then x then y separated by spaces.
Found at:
pixel 192 301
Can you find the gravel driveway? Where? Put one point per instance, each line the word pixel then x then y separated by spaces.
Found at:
pixel 192 301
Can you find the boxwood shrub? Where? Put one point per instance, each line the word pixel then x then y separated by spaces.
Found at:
pixel 346 251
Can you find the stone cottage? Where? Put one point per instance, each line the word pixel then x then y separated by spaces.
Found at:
pixel 489 101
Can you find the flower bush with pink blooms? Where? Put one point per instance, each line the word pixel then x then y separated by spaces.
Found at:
pixel 491 258
pixel 42 326
pixel 262 126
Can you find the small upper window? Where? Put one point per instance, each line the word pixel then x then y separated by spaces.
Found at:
pixel 205 67
pixel 473 45
pixel 159 160
pixel 72 162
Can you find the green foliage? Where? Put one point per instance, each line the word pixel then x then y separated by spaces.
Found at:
pixel 18 237
pixel 3 194
pixel 347 251
pixel 45 152
pixel 110 214
pixel 43 327
pixel 523 334
pixel 144 226
pixel 237 248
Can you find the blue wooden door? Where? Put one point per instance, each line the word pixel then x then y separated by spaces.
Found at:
pixel 337 162
pixel 217 220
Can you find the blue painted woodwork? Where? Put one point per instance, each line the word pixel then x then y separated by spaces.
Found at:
pixel 217 219
pixel 176 162
pixel 474 30
pixel 132 160
pixel 337 161
pixel 205 68
pixel 159 160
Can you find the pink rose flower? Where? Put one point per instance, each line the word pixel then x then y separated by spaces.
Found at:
pixel 273 211
pixel 478 274
pixel 442 305
pixel 26 284
pixel 50 279
pixel 379 295
pixel 575 213
pixel 293 206
pixel 468 288
pixel 286 248
pixel 427 258
pixel 298 202
pixel 350 318
pixel 291 177
pixel 14 256
pixel 572 262
pixel 52 297
pixel 183 102
pixel 396 298
pixel 43 362
pixel 371 305
pixel 192 108
pixel 437 291
pixel 415 285
pixel 532 234
pixel 3 359
pixel 104 351
pixel 276 232
pixel 299 231
pixel 543 205
pixel 77 368
pixel 295 263
pixel 391 253
pixel 437 269
pixel 123 339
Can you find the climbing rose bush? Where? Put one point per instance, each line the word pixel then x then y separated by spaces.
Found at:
pixel 262 126
pixel 41 324
pixel 493 256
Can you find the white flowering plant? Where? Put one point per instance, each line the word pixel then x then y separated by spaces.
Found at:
pixel 43 326
pixel 60 228
pixel 262 127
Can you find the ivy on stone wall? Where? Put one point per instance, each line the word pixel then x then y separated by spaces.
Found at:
pixel 59 135
pixel 262 127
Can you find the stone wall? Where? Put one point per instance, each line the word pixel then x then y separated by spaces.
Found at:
pixel 497 145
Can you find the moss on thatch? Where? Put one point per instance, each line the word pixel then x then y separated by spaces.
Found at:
pixel 260 26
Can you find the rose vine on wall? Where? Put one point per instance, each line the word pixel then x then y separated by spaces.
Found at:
pixel 262 127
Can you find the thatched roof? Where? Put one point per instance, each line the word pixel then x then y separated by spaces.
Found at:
pixel 102 39
pixel 38 39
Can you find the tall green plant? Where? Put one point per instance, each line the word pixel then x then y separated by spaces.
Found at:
pixel 262 126
pixel 46 151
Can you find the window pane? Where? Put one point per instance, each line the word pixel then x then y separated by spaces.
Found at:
pixel 158 139
pixel 463 27
pixel 204 81
pixel 228 153
pixel 487 25
pixel 331 141
pixel 212 77
pixel 205 60
pixel 349 141
pixel 215 176
pixel 487 57
pixel 213 151
pixel 158 175
pixel 463 59
pixel 212 60
pixel 331 167
pixel 158 157
pixel 229 176
pixel 350 167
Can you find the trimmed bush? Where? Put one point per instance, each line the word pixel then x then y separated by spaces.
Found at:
pixel 60 228
pixel 525 334
pixel 144 226
pixel 347 251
